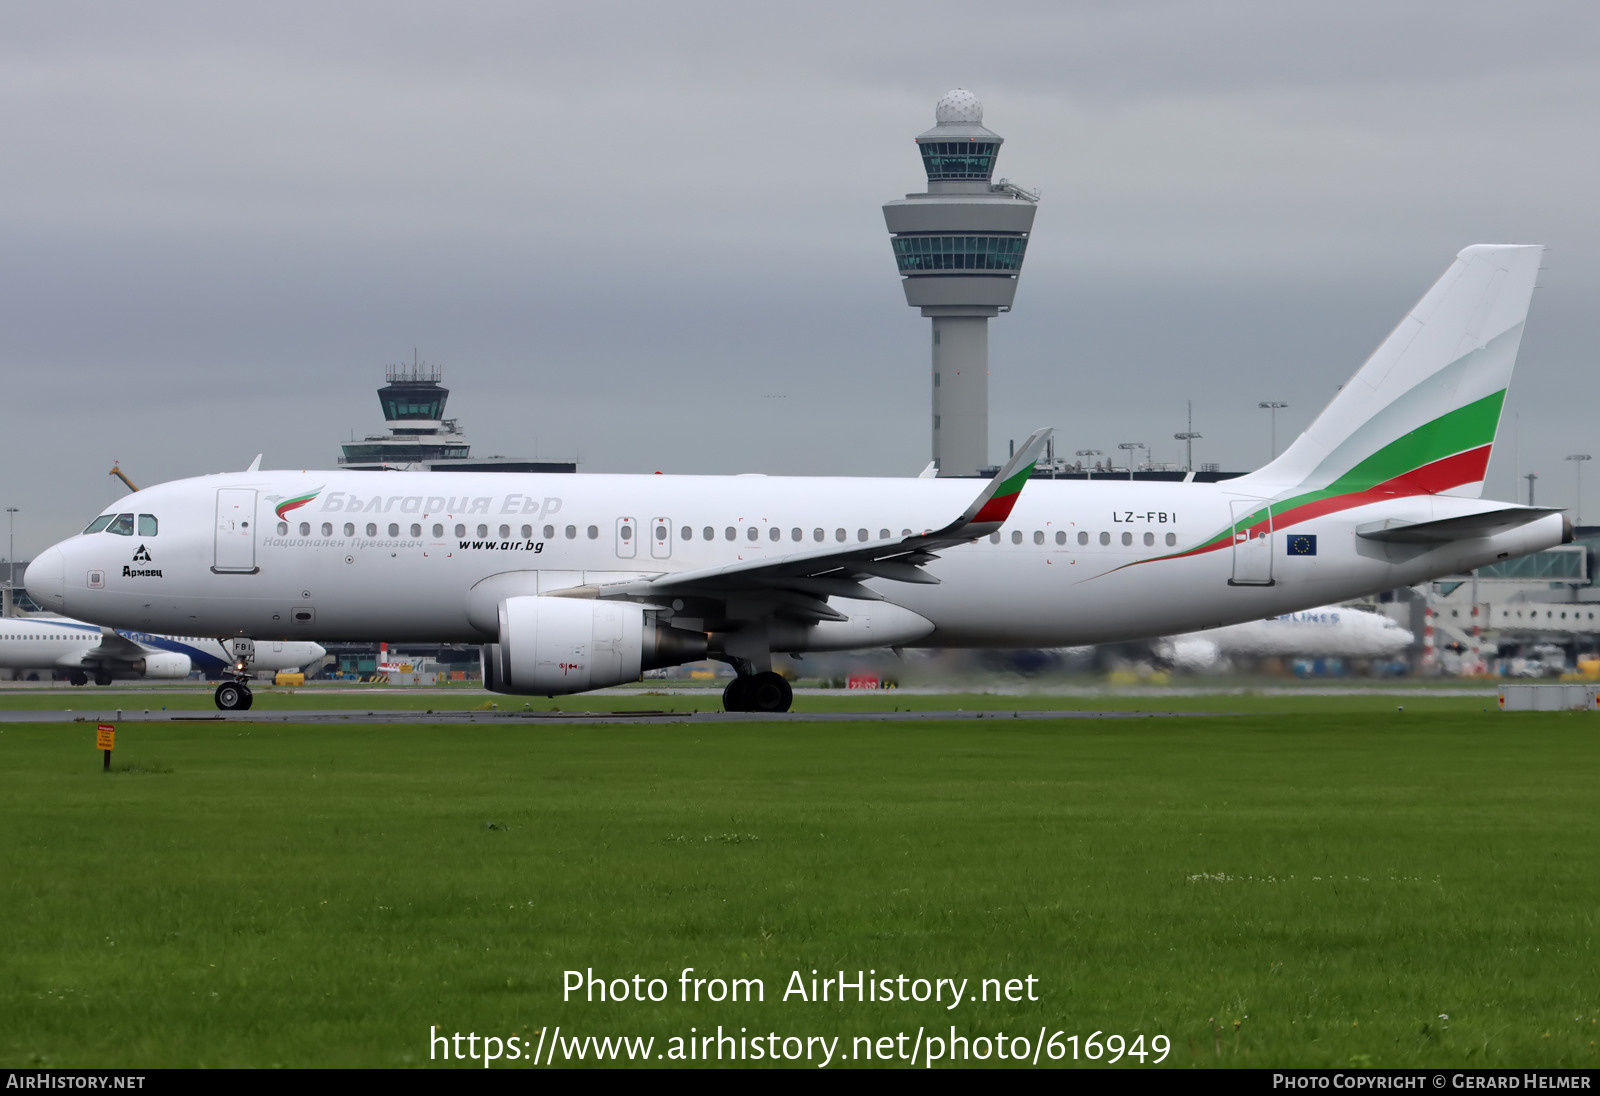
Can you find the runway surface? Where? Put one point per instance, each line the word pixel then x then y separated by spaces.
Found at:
pixel 378 715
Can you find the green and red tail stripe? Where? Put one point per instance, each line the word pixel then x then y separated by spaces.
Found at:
pixel 1448 452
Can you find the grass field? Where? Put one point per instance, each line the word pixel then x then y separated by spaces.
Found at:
pixel 1318 881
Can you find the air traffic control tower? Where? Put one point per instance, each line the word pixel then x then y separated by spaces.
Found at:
pixel 959 248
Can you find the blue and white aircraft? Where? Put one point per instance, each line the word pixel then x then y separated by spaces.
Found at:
pixel 89 652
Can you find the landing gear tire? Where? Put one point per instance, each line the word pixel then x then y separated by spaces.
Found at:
pixel 233 697
pixel 764 692
pixel 102 678
pixel 78 677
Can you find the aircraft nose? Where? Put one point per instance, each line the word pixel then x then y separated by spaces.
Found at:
pixel 46 579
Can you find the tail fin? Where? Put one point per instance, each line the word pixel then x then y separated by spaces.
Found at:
pixel 1421 415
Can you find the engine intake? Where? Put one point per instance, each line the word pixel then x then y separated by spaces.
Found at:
pixel 167 664
pixel 550 646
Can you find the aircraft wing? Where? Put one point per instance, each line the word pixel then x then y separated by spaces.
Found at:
pixel 800 584
pixel 115 648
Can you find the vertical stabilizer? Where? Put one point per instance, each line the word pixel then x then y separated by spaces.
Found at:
pixel 1420 416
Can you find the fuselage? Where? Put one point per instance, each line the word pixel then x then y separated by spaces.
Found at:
pixel 363 556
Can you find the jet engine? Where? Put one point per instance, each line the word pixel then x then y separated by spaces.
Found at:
pixel 163 664
pixel 554 645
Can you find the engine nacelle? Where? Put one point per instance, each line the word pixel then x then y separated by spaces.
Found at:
pixel 164 664
pixel 554 645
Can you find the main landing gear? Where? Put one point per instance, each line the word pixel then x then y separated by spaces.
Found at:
pixel 235 695
pixel 763 692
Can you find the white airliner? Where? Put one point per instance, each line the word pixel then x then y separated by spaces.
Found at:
pixel 1328 631
pixel 579 582
pixel 88 651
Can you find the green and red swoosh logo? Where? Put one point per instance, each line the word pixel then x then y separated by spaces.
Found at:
pixel 295 503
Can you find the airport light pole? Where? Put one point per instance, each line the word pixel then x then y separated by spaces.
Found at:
pixel 11 560
pixel 1577 460
pixel 1130 446
pixel 1090 453
pixel 1530 477
pixel 1187 437
pixel 1274 406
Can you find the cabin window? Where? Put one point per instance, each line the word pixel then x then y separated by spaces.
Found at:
pixel 795 534
pixel 626 533
pixel 549 532
pixel 305 528
pixel 883 534
pixel 283 528
pixel 686 533
pixel 527 532
pixel 730 532
pixel 122 525
pixel 1061 537
pixel 594 532
pixel 505 532
pixel 775 533
pixel 483 530
pixel 438 532
pixel 372 529
pixel 394 529
pixel 839 535
pixel 572 532
pixel 817 535
pixel 416 530
pixel 1149 539
pixel 861 534
pixel 1172 540
pixel 994 538
pixel 350 529
pixel 327 528
pixel 99 523
pixel 1127 539
pixel 1083 538
pixel 147 525
pixel 1038 537
pixel 1105 538
pixel 661 534
pixel 753 533
pixel 461 530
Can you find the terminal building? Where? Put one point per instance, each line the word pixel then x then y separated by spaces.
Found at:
pixel 421 438
pixel 959 249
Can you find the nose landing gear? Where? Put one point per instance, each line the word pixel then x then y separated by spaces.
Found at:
pixel 235 695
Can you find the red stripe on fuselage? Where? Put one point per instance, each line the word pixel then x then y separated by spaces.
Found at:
pixel 1430 479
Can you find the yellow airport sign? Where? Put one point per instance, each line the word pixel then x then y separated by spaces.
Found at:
pixel 105 736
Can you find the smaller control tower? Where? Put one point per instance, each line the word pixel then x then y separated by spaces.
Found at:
pixel 959 247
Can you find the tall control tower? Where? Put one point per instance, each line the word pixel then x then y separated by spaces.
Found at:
pixel 959 248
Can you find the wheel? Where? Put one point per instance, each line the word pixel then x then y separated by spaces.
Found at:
pixel 735 698
pixel 768 692
pixel 249 697
pixel 78 677
pixel 102 678
pixel 232 697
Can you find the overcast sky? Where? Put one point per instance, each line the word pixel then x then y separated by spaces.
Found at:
pixel 650 236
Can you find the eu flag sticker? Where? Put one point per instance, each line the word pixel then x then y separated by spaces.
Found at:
pixel 1303 544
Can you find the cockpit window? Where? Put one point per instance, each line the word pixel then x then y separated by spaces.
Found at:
pixel 147 525
pixel 99 523
pixel 122 526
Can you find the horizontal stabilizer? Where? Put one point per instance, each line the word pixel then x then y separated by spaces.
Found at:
pixel 1399 531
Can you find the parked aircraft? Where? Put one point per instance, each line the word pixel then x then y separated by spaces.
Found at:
pixel 577 583
pixel 89 652
pixel 1328 631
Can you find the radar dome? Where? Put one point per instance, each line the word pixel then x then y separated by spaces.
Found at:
pixel 958 106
